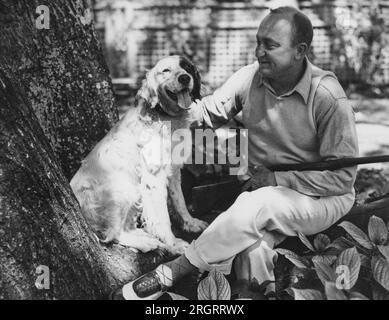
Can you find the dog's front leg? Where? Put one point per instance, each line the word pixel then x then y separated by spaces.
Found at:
pixel 156 215
pixel 175 191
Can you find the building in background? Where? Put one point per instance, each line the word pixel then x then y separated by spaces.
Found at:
pixel 350 37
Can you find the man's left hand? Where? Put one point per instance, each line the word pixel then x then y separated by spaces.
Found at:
pixel 262 177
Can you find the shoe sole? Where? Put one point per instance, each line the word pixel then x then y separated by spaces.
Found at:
pixel 131 295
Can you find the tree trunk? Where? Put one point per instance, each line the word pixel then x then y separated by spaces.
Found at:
pixel 63 72
pixel 54 105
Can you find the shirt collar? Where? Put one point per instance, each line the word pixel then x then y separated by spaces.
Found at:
pixel 303 87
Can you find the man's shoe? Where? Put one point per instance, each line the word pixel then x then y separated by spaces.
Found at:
pixel 146 287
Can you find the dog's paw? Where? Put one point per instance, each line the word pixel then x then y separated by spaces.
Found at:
pixel 139 240
pixel 178 247
pixel 195 225
pixel 149 244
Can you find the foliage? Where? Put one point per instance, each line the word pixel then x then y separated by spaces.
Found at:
pixel 215 286
pixel 360 41
pixel 370 184
pixel 352 267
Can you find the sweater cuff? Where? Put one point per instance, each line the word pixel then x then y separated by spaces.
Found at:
pixel 283 178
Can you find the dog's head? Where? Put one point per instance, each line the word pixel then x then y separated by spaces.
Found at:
pixel 173 83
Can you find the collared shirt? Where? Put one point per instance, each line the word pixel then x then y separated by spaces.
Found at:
pixel 312 122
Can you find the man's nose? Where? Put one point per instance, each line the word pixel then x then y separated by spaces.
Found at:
pixel 260 51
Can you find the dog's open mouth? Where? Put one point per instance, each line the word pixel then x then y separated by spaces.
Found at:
pixel 182 98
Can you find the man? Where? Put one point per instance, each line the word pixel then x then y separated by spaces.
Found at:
pixel 294 112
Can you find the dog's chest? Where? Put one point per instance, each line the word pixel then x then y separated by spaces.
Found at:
pixel 157 145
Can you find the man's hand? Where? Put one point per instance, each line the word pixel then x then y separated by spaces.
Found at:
pixel 262 177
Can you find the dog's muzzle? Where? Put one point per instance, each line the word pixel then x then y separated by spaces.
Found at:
pixel 182 98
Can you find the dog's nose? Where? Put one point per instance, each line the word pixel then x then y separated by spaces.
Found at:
pixel 183 79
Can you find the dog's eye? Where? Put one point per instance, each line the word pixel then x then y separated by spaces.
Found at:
pixel 165 70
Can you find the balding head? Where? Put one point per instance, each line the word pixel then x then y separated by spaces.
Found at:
pixel 302 30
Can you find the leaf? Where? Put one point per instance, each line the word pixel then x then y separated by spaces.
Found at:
pixel 365 261
pixel 321 242
pixel 327 259
pixel 214 287
pixel 299 262
pixel 380 269
pixel 175 296
pixel 357 296
pixel 384 251
pixel 324 271
pixel 357 234
pixel 378 233
pixel 379 293
pixel 350 260
pixel 333 293
pixel 307 294
pixel 341 244
pixel 305 241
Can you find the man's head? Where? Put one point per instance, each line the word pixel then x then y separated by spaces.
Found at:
pixel 283 39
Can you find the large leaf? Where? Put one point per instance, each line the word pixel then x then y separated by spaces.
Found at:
pixel 380 269
pixel 306 242
pixel 348 265
pixel 385 251
pixel 299 262
pixel 378 233
pixel 357 234
pixel 307 294
pixel 321 242
pixel 333 293
pixel 324 271
pixel 214 287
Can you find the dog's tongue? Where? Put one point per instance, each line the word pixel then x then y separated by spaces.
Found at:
pixel 183 99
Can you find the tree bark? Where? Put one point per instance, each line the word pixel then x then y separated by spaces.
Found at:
pixel 63 72
pixel 52 111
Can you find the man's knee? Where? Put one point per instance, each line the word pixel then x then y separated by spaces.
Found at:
pixel 273 208
pixel 265 202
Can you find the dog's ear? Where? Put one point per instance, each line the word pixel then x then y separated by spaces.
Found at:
pixel 148 91
pixel 189 67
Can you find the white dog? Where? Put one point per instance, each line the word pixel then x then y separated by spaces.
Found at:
pixel 121 186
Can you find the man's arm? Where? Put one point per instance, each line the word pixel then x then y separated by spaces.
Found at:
pixel 220 107
pixel 337 139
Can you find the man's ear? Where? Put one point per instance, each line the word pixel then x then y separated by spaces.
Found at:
pixel 301 50
pixel 148 91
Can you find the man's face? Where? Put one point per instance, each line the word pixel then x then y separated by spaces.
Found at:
pixel 275 51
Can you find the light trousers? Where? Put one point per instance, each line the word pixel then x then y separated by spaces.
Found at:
pixel 246 233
